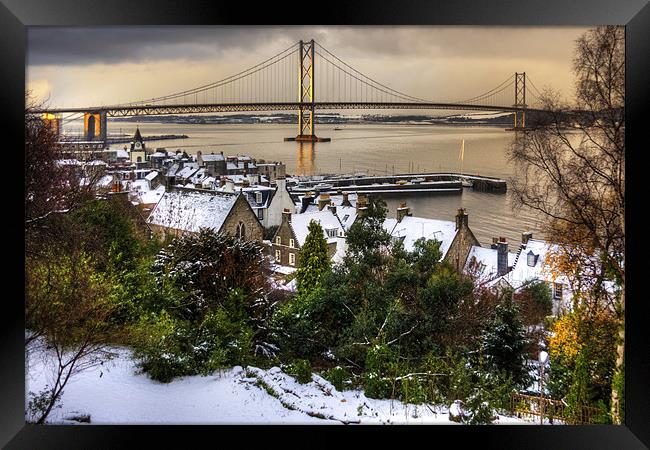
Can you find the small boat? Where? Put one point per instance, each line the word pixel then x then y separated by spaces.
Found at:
pixel 401 182
pixel 324 187
pixel 417 180
pixel 337 128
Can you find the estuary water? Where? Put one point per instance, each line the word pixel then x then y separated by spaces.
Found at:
pixel 374 149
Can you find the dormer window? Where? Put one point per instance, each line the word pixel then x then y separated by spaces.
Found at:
pixel 258 197
pixel 346 217
pixel 531 259
pixel 331 232
pixel 278 240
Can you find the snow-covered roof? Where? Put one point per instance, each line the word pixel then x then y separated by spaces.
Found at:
pixel 152 196
pixel 251 196
pixel 239 165
pixel 198 176
pixel 284 270
pixel 153 174
pixel 347 215
pixel 104 181
pixel 192 210
pixel 188 170
pixel 327 220
pixel 539 270
pixel 212 157
pixel 121 153
pixel 410 229
pixel 487 260
pixel 68 162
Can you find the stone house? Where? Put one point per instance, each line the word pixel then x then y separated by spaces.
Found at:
pixel 531 264
pixel 273 170
pixel 188 210
pixel 293 230
pixel 214 163
pixel 456 238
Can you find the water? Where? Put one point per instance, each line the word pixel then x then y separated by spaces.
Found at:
pixel 375 149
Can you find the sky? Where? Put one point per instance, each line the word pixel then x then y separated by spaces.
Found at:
pixel 78 67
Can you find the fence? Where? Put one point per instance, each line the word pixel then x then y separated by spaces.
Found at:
pixel 530 407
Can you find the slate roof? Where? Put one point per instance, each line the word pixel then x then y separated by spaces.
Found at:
pixel 191 210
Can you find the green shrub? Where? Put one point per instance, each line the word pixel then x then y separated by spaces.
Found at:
pixel 338 377
pixel 301 370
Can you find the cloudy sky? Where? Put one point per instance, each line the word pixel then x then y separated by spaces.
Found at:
pixel 72 67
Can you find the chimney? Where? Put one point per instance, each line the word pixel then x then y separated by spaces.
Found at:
pixel 323 201
pixel 362 203
pixel 199 157
pixel 229 186
pixel 462 219
pixel 502 256
pixel 346 201
pixel 286 215
pixel 305 201
pixel 402 211
pixel 525 237
pixel 332 207
pixel 495 243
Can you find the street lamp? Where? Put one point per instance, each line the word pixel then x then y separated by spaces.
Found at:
pixel 543 357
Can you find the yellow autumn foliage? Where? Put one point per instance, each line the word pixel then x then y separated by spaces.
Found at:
pixel 564 341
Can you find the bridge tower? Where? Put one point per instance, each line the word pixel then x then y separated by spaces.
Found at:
pixel 95 125
pixel 306 95
pixel 520 100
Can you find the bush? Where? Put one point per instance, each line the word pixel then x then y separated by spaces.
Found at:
pixel 338 376
pixel 301 370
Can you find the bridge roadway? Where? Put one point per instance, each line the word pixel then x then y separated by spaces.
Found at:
pixel 152 110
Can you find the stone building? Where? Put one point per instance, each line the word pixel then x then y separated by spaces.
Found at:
pixel 456 238
pixel 214 163
pixel 188 210
pixel 293 230
pixel 273 170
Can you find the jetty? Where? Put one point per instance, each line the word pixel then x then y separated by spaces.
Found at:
pixel 399 184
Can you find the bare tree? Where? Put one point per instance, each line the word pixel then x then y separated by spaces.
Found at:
pixel 50 186
pixel 68 320
pixel 570 167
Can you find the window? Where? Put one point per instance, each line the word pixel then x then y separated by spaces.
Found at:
pixel 531 259
pixel 278 256
pixel 278 240
pixel 260 213
pixel 292 259
pixel 258 197
pixel 291 243
pixel 557 291
pixel 241 231
pixel 346 217
pixel 331 232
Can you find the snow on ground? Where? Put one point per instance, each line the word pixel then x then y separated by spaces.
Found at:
pixel 115 393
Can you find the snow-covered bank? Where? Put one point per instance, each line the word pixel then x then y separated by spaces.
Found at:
pixel 115 394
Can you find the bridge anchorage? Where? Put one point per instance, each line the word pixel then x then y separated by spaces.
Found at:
pixel 327 85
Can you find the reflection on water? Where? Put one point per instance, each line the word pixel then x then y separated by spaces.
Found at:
pixel 305 158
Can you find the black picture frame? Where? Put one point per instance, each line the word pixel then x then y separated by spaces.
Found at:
pixel 16 15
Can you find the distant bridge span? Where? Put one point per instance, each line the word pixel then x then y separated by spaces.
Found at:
pixel 332 84
pixel 157 110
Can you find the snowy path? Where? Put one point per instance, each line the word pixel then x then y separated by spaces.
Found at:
pixel 116 394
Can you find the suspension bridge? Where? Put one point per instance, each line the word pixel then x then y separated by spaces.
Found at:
pixel 306 77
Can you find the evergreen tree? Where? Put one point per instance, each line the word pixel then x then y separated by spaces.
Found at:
pixel 367 237
pixel 314 261
pixel 504 341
